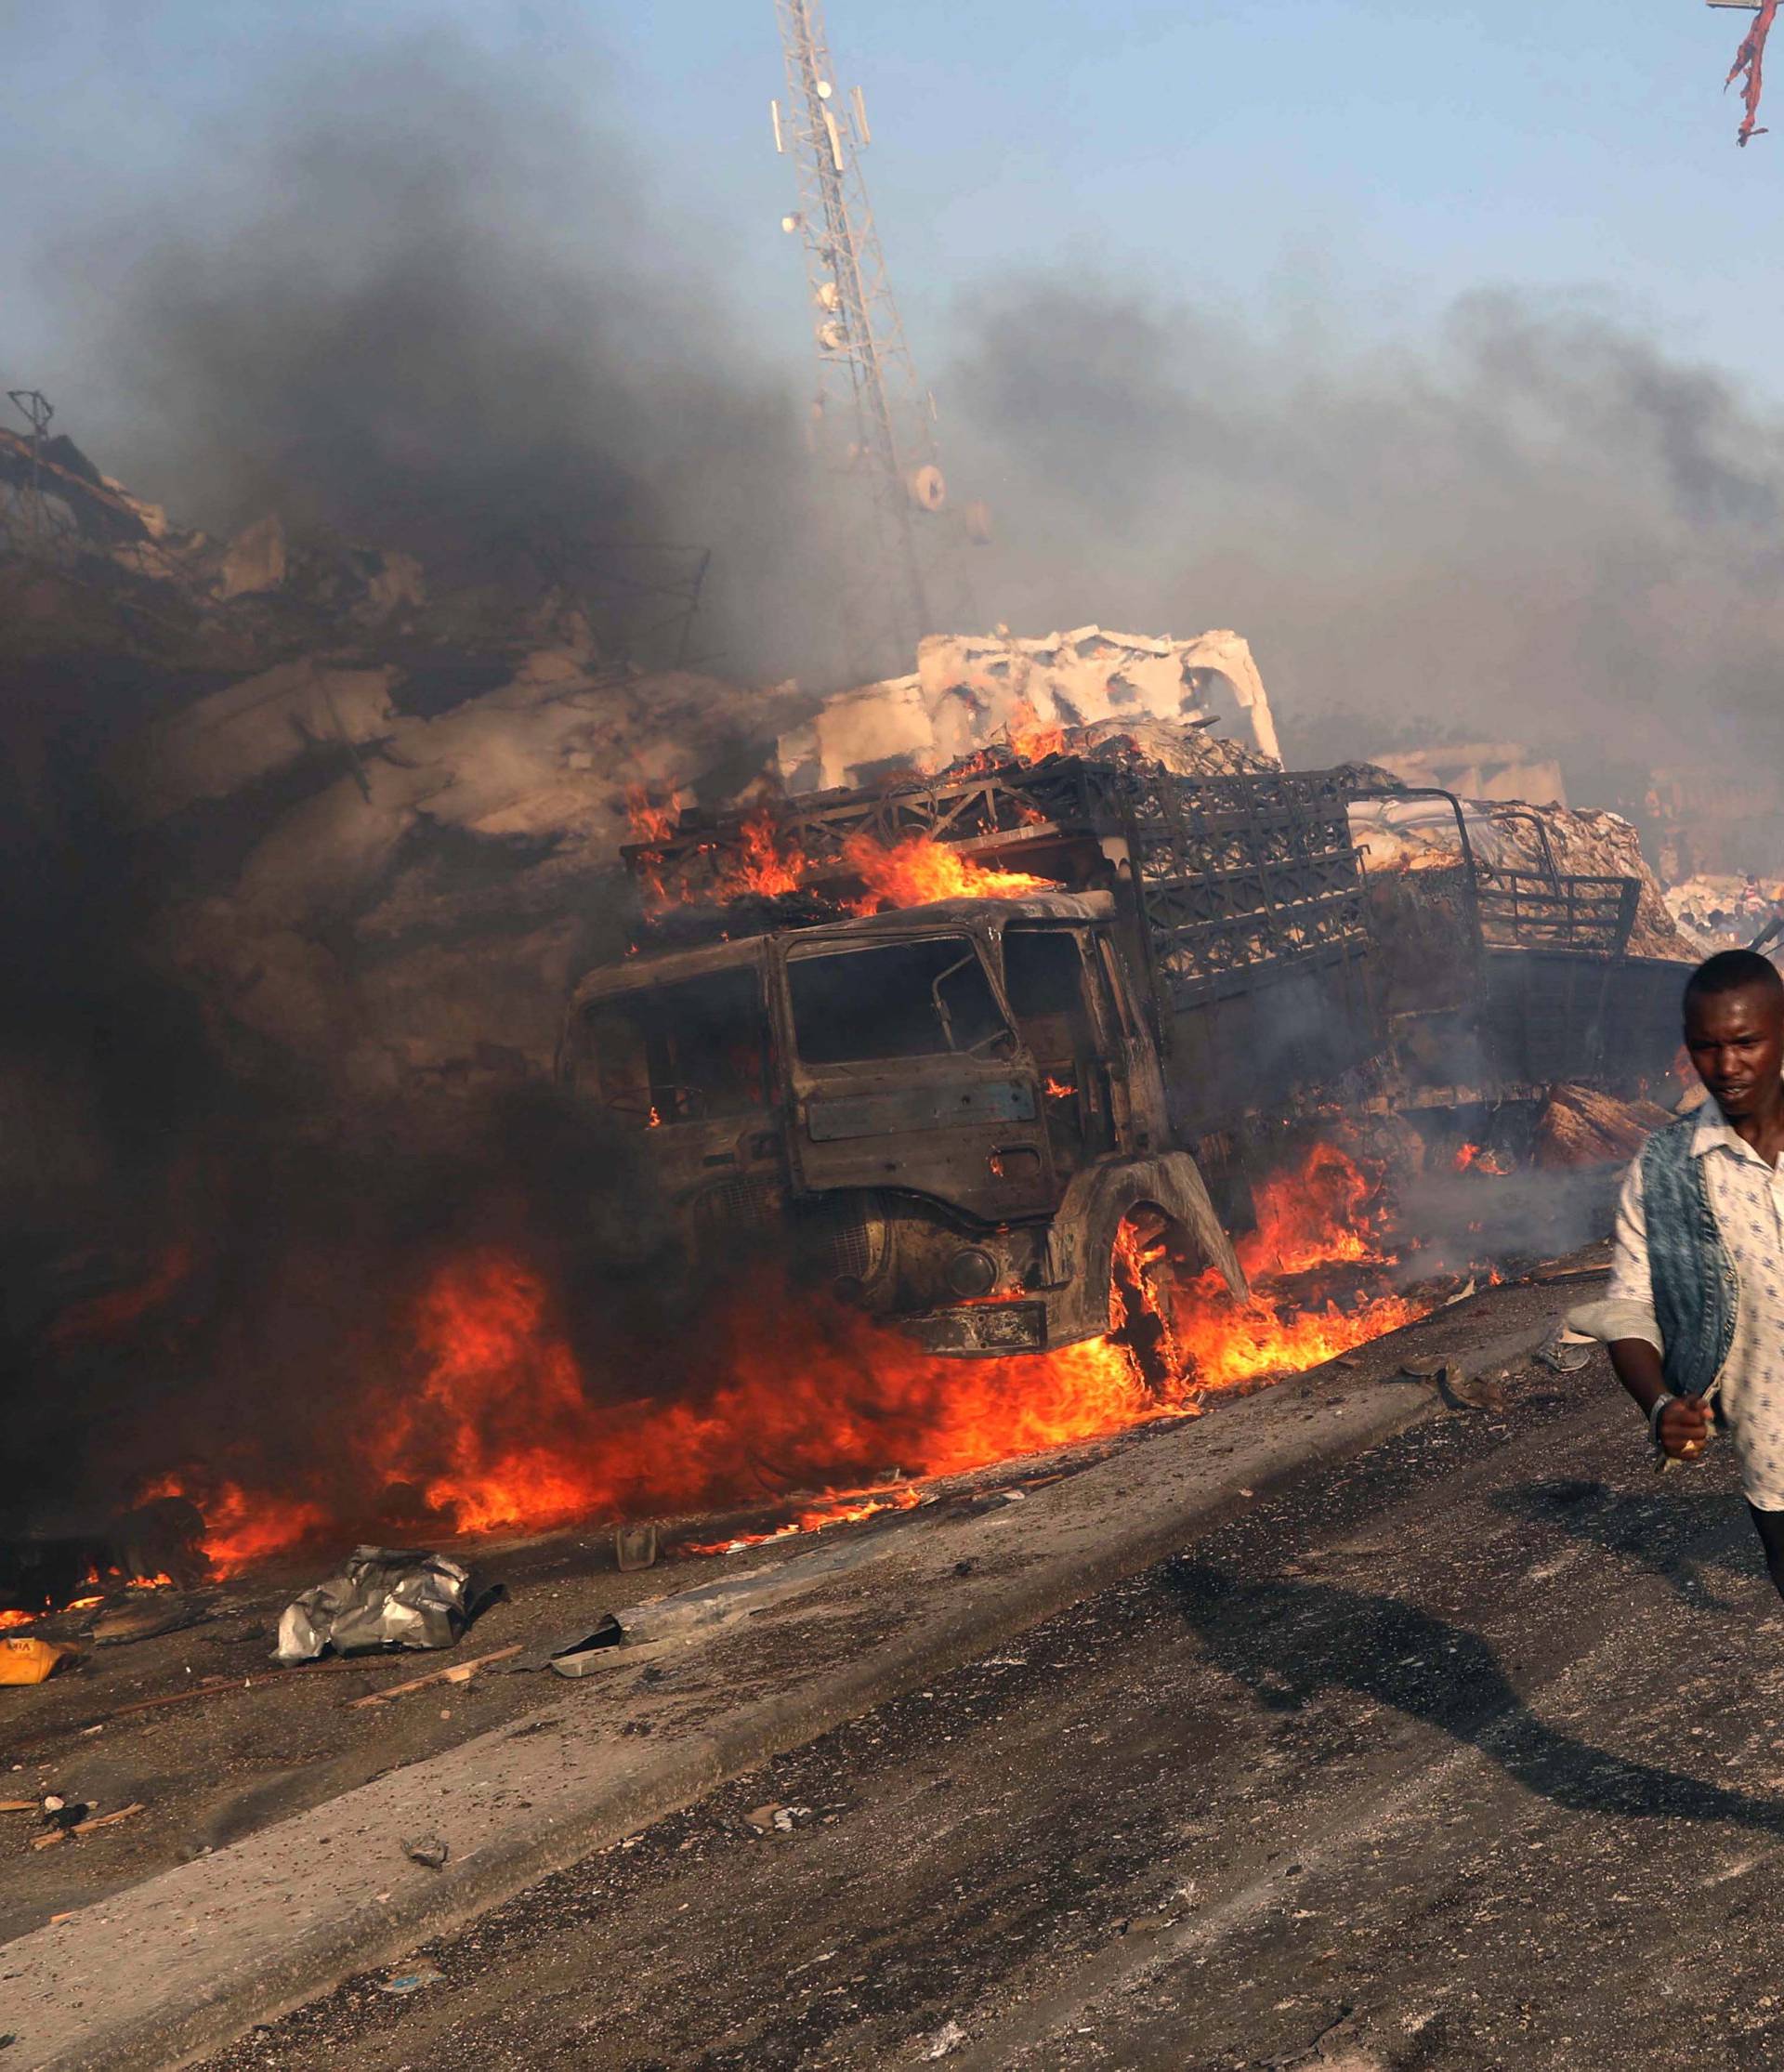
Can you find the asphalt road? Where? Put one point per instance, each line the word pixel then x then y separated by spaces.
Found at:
pixel 1465 1755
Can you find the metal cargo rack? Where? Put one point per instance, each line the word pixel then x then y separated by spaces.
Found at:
pixel 1543 987
pixel 1548 909
pixel 1231 873
pixel 1238 874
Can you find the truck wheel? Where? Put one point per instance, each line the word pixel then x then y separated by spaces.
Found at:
pixel 1139 1309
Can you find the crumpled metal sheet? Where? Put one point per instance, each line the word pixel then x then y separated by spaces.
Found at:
pixel 383 1597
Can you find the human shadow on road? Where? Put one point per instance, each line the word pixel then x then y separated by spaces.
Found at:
pixel 1291 1640
pixel 1669 1533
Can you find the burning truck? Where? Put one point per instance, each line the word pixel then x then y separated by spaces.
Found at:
pixel 979 1051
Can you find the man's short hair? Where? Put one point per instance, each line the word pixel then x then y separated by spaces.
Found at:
pixel 1732 971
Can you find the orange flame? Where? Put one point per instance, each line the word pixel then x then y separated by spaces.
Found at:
pixel 652 819
pixel 766 862
pixel 499 1428
pixel 915 872
pixel 763 866
pixel 1031 738
pixel 1233 1343
pixel 850 1508
pixel 825 1396
pixel 239 1528
pixel 1317 1215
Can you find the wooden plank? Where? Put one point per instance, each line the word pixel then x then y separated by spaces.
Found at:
pixel 453 1672
pixel 86 1827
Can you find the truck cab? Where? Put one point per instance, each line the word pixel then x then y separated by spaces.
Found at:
pixel 940 1112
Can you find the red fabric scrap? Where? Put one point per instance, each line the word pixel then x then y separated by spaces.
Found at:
pixel 1751 60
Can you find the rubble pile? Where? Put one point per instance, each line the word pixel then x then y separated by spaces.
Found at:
pixel 1581 1126
pixel 388 815
pixel 1723 911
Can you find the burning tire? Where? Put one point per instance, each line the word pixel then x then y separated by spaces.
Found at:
pixel 1139 1294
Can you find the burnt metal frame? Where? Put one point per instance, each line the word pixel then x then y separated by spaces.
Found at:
pixel 1242 875
pixel 1231 874
pixel 1533 909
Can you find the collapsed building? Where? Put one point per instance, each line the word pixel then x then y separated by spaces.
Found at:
pixel 969 691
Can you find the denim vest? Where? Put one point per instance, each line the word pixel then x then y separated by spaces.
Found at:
pixel 1695 1289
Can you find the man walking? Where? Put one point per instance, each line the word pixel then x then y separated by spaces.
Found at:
pixel 1695 1317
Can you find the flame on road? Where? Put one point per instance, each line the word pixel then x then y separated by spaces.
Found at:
pixel 497 1428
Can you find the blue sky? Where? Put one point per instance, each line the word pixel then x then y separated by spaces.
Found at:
pixel 1357 162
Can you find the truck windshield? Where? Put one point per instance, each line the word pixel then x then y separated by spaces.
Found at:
pixel 894 1000
pixel 681 1053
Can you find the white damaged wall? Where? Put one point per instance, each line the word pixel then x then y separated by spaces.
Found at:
pixel 971 691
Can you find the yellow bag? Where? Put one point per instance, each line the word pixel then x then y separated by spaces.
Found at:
pixel 29 1661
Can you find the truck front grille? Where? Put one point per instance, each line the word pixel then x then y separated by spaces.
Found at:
pixel 843 1237
pixel 746 1204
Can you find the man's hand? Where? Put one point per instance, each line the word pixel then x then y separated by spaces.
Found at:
pixel 1685 1428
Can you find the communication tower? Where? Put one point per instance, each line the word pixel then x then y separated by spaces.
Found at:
pixel 871 417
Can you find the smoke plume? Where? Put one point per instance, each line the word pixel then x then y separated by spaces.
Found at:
pixel 416 292
pixel 1535 525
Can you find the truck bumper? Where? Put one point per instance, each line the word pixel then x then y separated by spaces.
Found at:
pixel 977 1328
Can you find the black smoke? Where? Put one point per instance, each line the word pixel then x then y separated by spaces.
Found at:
pixel 1535 525
pixel 419 292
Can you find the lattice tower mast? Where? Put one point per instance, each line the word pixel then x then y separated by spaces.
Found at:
pixel 866 373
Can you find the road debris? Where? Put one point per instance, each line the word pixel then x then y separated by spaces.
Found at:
pixel 32 1661
pixel 87 1827
pixel 155 1613
pixel 454 1672
pixel 382 1597
pixel 411 1979
pixel 775 1819
pixel 947 2038
pixel 576 1655
pixel 634 1547
pixel 1461 1391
